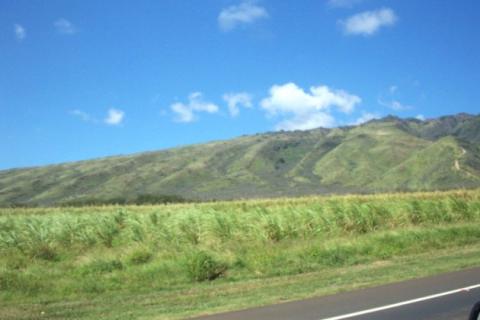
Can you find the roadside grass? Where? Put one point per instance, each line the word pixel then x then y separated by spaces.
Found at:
pixel 221 296
pixel 173 261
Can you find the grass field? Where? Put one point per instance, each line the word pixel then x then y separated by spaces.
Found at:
pixel 173 261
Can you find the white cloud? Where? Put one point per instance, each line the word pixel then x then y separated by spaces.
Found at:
pixel 420 117
pixel 64 26
pixel 344 3
pixel 114 117
pixel 307 121
pixel 20 32
pixel 369 22
pixel 186 112
pixel 393 89
pixel 82 115
pixel 306 110
pixel 365 117
pixel 245 13
pixel 397 106
pixel 291 98
pixel 236 100
pixel 394 105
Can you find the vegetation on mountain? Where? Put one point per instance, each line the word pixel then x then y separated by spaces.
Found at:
pixel 389 154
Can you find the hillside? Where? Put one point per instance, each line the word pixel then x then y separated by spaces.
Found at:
pixel 389 154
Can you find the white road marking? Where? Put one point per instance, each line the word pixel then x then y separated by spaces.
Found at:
pixel 396 305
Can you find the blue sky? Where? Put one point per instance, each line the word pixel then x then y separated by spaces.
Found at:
pixel 87 79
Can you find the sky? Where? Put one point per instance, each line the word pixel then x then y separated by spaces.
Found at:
pixel 88 79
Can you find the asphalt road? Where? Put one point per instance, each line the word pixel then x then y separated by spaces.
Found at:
pixel 451 305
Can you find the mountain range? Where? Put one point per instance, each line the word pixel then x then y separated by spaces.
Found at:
pixel 383 155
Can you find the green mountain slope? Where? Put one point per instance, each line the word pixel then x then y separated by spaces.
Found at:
pixel 382 155
pixel 439 164
pixel 366 154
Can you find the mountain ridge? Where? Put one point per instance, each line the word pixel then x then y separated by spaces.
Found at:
pixel 388 154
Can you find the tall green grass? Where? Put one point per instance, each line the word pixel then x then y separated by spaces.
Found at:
pixel 90 250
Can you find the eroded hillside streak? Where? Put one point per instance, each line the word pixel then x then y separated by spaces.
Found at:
pixel 457 164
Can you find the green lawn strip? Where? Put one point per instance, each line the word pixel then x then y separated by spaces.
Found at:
pixel 224 296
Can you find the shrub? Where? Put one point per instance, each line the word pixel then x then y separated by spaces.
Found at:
pixel 106 232
pixel 45 252
pixel 335 256
pixel 140 256
pixel 273 229
pixel 19 281
pixel 158 199
pixel 16 262
pixel 103 266
pixel 202 266
pixel 91 284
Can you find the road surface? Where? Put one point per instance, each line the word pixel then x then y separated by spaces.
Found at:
pixel 448 296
